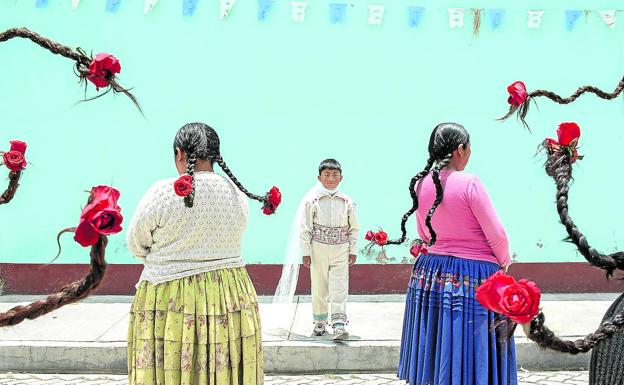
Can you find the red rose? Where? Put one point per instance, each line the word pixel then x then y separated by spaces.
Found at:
pixel 14 160
pixel 501 293
pixel 183 186
pixel 275 197
pixel 102 69
pixel 101 216
pixel 381 238
pixel 369 235
pixel 568 132
pixel 267 210
pixel 517 93
pixel 19 146
pixel 417 249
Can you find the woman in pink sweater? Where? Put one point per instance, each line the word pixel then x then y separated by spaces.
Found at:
pixel 448 337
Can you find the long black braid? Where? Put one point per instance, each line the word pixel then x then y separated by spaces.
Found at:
pixel 230 175
pixel 190 170
pixel 445 138
pixel 559 167
pixel 412 191
pixel 435 175
pixel 523 109
pixel 201 142
pixel 544 337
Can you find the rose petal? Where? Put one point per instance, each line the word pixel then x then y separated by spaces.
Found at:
pixel 85 234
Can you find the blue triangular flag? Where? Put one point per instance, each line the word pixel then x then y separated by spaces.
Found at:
pixel 189 7
pixel 112 6
pixel 337 13
pixel 572 16
pixel 42 3
pixel 496 17
pixel 264 7
pixel 414 15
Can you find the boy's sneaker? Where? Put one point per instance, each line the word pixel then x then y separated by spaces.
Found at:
pixel 340 334
pixel 319 328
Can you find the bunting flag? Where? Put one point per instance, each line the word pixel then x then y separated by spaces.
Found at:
pixel 112 6
pixel 42 3
pixel 189 7
pixel 476 24
pixel 264 7
pixel 337 13
pixel 496 17
pixel 414 16
pixel 225 6
pixel 298 11
pixel 608 16
pixel 75 4
pixel 571 17
pixel 375 14
pixel 535 18
pixel 456 17
pixel 149 5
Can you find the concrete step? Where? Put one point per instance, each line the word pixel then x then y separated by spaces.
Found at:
pixel 90 336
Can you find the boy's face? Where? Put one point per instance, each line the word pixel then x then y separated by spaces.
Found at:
pixel 330 178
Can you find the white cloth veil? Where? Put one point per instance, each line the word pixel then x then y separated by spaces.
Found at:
pixel 280 318
pixel 285 291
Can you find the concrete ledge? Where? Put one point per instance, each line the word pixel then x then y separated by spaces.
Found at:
pixel 284 357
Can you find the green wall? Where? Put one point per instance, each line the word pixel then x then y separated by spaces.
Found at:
pixel 283 96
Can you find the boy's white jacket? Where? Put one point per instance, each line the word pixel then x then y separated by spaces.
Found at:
pixel 299 239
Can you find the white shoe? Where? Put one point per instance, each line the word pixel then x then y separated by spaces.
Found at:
pixel 319 328
pixel 340 334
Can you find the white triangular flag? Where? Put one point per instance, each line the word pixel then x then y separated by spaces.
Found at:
pixel 375 14
pixel 298 10
pixel 75 3
pixel 225 8
pixel 608 16
pixel 456 17
pixel 149 5
pixel 535 18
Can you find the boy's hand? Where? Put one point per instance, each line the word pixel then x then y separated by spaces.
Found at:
pixel 307 261
pixel 352 258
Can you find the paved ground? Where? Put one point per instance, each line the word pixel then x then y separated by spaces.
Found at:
pixel 525 378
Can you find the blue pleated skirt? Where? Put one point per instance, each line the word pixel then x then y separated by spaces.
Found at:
pixel 448 337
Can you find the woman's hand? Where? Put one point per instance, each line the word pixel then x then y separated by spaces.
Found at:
pixel 307 261
pixel 352 258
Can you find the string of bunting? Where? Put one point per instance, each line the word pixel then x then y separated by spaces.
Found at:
pixel 338 12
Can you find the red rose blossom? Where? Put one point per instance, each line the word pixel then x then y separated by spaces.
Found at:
pixel 568 132
pixel 101 216
pixel 19 146
pixel 517 93
pixel 102 69
pixel 417 249
pixel 275 196
pixel 267 210
pixel 369 235
pixel 501 293
pixel 14 160
pixel 183 185
pixel 381 238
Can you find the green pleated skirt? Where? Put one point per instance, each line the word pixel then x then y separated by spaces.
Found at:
pixel 202 329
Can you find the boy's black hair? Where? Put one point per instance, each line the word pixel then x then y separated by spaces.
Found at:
pixel 329 164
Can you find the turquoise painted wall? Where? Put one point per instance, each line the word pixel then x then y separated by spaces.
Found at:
pixel 284 95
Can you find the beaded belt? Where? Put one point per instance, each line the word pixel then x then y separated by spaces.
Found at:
pixel 330 235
